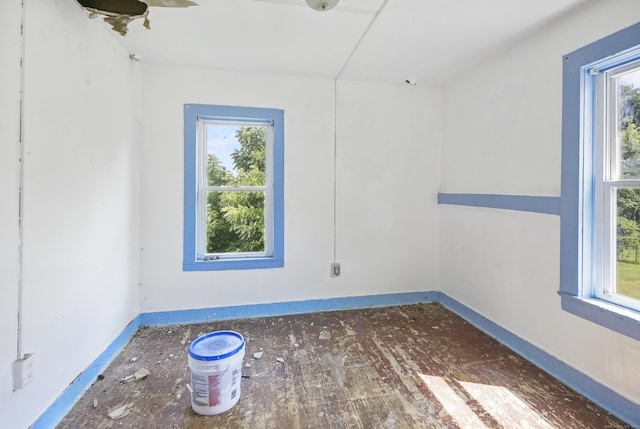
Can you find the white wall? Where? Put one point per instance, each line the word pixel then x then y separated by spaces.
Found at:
pixel 388 177
pixel 81 192
pixel 388 170
pixel 502 126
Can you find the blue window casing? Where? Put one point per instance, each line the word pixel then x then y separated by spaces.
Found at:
pixel 193 112
pixel 577 193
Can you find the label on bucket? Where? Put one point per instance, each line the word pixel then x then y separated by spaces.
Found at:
pixel 235 377
pixel 206 389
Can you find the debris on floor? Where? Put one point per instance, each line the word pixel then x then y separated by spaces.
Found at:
pixel 258 355
pixel 121 412
pixel 325 335
pixel 280 360
pixel 138 375
pixel 141 373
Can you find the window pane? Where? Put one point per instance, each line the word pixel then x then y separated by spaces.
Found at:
pixel 236 154
pixel 628 118
pixel 628 243
pixel 235 222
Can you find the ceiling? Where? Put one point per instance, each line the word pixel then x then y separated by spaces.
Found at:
pixel 388 41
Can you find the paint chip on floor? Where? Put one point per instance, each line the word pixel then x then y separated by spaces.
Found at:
pixel 121 412
pixel 325 335
pixel 141 373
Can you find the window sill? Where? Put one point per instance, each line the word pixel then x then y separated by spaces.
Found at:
pixel 235 264
pixel 619 319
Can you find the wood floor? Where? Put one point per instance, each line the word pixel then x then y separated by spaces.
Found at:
pixel 415 366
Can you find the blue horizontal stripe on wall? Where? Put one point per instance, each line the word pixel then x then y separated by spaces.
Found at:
pixel 523 203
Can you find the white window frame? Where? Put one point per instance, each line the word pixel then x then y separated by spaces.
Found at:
pixel 607 175
pixel 203 189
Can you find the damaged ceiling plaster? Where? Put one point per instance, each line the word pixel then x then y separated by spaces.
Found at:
pixel 119 13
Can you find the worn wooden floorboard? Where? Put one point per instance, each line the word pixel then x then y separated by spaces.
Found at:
pixel 415 366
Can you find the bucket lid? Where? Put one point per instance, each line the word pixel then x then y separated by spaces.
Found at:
pixel 216 345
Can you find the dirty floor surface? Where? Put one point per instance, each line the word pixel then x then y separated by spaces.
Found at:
pixel 415 366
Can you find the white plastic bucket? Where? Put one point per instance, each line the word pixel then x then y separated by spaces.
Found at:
pixel 215 361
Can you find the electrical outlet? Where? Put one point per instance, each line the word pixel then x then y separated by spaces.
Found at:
pixel 335 269
pixel 23 371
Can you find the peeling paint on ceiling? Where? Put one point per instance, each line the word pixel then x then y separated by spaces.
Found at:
pixel 120 13
pixel 120 23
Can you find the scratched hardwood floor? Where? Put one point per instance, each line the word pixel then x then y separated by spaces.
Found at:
pixel 415 366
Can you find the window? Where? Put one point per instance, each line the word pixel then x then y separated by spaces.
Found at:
pixel 615 114
pixel 600 202
pixel 233 188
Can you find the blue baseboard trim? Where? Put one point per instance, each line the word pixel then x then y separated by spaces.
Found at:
pixel 63 404
pixel 586 386
pixel 284 308
pixel 601 395
pixel 523 203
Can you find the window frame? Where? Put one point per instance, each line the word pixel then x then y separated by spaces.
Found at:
pixel 204 188
pixel 608 180
pixel 578 196
pixel 195 116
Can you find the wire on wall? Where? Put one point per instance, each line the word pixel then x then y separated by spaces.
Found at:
pixel 335 132
pixel 21 153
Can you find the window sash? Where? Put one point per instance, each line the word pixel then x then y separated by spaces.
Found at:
pixel 607 171
pixel 203 189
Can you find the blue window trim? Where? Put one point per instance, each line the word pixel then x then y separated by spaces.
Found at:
pixel 577 193
pixel 191 114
